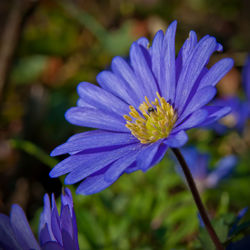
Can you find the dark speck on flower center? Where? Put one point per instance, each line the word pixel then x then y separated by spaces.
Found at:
pixel 150 109
pixel 154 121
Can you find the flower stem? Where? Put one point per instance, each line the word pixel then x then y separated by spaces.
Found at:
pixel 197 199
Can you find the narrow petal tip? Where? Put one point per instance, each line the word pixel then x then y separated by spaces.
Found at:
pixel 219 47
pixel 53 173
pixel 54 152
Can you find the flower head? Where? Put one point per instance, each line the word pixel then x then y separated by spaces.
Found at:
pixel 55 232
pixel 142 107
pixel 199 166
pixel 58 231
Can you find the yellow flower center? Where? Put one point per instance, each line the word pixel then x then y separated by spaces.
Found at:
pixel 155 121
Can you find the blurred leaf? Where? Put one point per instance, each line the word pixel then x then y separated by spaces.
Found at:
pixel 53 33
pixel 221 226
pixel 224 204
pixel 84 18
pixel 33 150
pixel 115 42
pixel 28 69
pixel 88 225
pixel 119 41
pixel 205 240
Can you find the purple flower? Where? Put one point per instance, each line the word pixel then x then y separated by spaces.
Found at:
pixel 199 166
pixel 55 232
pixel 143 107
pixel 240 108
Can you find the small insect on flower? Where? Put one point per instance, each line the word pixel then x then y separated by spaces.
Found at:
pixel 142 107
pixel 151 109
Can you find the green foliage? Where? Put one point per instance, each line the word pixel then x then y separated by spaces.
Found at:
pixel 223 226
pixel 51 33
pixel 115 42
pixel 34 151
pixel 28 69
pixel 132 214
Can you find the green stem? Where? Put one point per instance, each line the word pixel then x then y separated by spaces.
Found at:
pixel 197 199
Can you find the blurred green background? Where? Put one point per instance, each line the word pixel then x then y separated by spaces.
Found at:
pixel 55 44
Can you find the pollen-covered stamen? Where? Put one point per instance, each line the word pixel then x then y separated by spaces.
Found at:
pixel 155 121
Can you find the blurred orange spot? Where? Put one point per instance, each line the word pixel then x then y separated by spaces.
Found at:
pixel 51 70
pixel 229 84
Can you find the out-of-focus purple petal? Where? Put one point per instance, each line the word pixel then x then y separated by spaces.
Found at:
pixel 62 225
pixel 214 114
pixel 197 163
pixel 240 215
pixel 22 228
pixel 52 245
pixel 223 169
pixel 68 243
pixel 8 240
pixel 241 244
pixel 55 225
pixel 237 117
pixel 44 235
pixel 45 222
pixel 66 199
pixel 66 227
